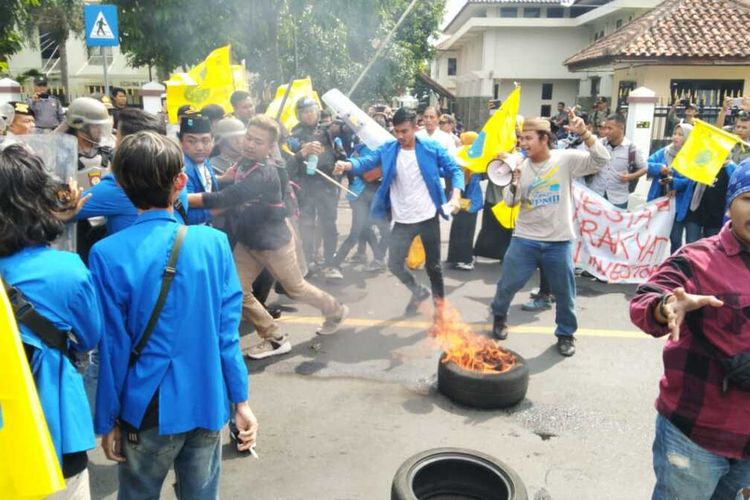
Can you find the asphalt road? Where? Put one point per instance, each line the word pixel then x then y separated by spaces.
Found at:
pixel 338 415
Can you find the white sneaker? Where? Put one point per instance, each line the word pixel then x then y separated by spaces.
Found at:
pixel 332 274
pixel 332 324
pixel 465 266
pixel 268 348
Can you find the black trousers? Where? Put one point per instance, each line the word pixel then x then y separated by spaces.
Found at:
pixel 461 241
pixel 401 237
pixel 318 208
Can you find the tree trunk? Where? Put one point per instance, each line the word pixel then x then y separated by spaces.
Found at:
pixel 64 80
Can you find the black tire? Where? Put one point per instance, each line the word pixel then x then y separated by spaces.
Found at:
pixel 484 390
pixel 444 473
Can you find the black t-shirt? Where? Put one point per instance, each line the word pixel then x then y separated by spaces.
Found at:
pixel 710 212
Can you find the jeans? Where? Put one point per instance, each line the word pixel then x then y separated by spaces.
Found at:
pixel 521 260
pixel 318 208
pixel 691 230
pixel 360 228
pixel 685 470
pixel 401 237
pixel 196 456
pixel 696 230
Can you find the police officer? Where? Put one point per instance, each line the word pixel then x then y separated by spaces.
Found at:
pixel 47 108
pixel 21 119
pixel 313 150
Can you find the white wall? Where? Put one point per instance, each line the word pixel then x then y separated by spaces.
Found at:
pixel 531 94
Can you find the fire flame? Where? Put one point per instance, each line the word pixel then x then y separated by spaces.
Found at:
pixel 464 347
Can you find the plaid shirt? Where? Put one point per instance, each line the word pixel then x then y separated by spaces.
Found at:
pixel 690 391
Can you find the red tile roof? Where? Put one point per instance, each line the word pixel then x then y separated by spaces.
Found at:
pixel 678 31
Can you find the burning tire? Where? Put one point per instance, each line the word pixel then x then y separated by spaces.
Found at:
pixel 456 473
pixel 486 390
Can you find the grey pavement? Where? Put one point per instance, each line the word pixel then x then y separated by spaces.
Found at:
pixel 339 414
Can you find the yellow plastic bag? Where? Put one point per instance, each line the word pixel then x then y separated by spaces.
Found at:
pixel 416 256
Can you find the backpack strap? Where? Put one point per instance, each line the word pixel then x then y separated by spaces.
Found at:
pixel 180 208
pixel 166 282
pixel 26 313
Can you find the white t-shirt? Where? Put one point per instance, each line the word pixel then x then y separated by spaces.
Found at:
pixel 445 139
pixel 410 199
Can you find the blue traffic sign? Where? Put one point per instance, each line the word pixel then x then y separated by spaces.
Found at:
pixel 101 25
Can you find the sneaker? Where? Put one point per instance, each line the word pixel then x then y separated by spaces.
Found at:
pixel 331 325
pixel 375 266
pixel 358 258
pixel 465 266
pixel 537 304
pixel 416 300
pixel 332 273
pixel 269 347
pixel 566 345
pixel 499 328
pixel 535 295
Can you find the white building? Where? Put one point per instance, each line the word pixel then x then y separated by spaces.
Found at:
pixel 489 45
pixel 85 71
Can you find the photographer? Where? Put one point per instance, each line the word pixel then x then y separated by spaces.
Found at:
pixel 733 106
pixel 691 112
pixel 47 108
pixel 741 128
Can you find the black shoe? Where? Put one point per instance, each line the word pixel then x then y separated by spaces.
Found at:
pixel 274 310
pixel 566 345
pixel 499 328
pixel 416 300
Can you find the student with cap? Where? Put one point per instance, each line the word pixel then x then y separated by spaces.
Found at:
pixel 22 122
pixel 197 142
pixel 48 110
pixel 542 184
pixel 698 298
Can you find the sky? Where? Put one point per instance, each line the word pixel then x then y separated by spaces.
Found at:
pixel 451 9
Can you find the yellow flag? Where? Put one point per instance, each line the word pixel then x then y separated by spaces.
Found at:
pixel 704 152
pixel 28 462
pixel 498 135
pixel 211 81
pixel 506 215
pixel 300 88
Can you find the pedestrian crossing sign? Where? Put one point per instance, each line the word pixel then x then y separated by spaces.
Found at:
pixel 101 25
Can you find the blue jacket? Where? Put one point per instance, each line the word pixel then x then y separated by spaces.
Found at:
pixel 195 185
pixel 434 162
pixel 61 289
pixel 682 185
pixel 473 193
pixel 193 356
pixel 109 200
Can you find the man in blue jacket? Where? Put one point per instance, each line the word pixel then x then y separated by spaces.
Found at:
pixel 197 143
pixel 167 407
pixel 412 193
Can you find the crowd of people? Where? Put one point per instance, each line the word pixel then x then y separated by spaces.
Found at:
pixel 237 206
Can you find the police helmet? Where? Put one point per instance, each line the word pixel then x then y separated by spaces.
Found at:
pixel 228 127
pixel 302 104
pixel 86 111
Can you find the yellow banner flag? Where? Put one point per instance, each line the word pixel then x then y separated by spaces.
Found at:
pixel 28 462
pixel 506 215
pixel 498 135
pixel 704 152
pixel 300 88
pixel 211 81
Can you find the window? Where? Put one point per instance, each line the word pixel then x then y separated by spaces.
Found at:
pixel 47 45
pixel 546 91
pixel 706 92
pixel 532 12
pixel 595 83
pixel 555 12
pixel 452 64
pixel 495 90
pixel 546 110
pixel 508 12
pixel 618 24
pixel 601 34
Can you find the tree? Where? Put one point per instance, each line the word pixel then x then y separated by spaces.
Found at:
pixel 13 14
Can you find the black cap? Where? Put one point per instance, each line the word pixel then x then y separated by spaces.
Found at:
pixel 692 105
pixel 41 81
pixel 21 108
pixel 194 123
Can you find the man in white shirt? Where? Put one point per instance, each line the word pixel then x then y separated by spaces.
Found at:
pixel 431 130
pixel 626 165
pixel 544 234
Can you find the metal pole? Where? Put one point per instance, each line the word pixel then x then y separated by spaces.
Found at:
pixel 106 76
pixel 382 47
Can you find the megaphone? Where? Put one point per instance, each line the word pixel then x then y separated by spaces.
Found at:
pixel 500 172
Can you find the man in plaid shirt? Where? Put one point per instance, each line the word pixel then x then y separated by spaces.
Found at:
pixel 701 296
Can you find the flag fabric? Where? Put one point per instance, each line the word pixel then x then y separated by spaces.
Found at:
pixel 211 81
pixel 704 152
pixel 29 468
pixel 506 215
pixel 498 135
pixel 300 88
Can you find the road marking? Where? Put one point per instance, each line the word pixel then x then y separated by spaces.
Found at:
pixel 424 325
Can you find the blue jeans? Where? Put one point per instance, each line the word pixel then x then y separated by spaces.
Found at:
pixel 196 456
pixel 685 470
pixel 521 260
pixel 692 232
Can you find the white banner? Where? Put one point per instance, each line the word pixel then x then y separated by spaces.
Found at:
pixel 616 245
